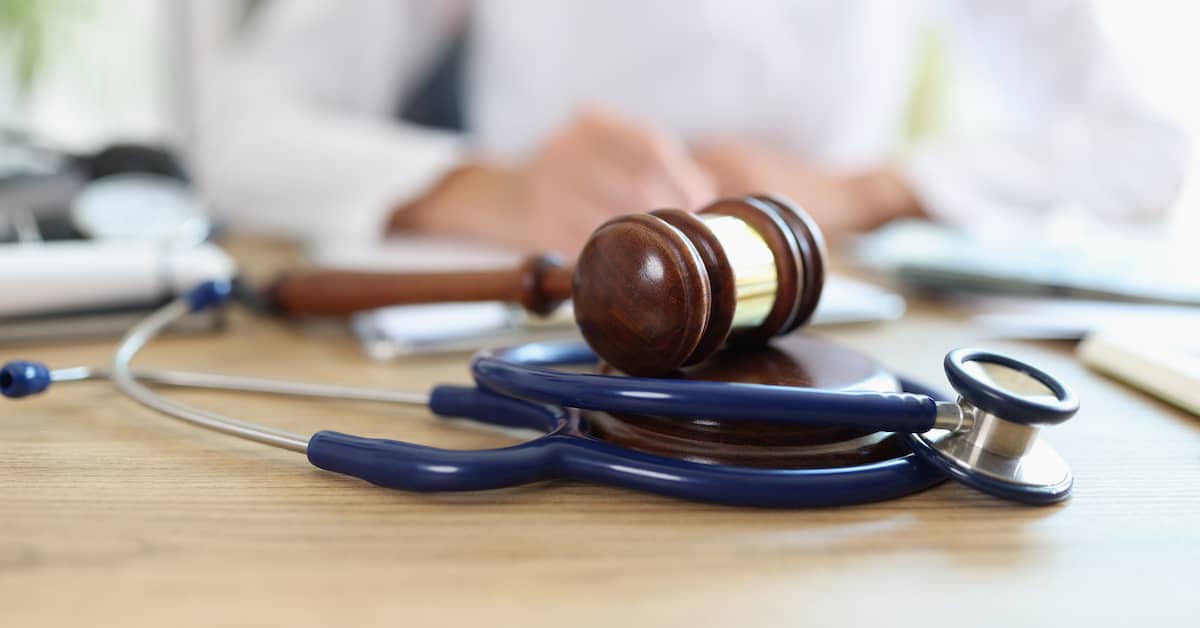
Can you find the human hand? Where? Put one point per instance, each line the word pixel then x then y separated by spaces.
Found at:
pixel 839 202
pixel 596 167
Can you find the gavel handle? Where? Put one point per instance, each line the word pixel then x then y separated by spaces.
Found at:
pixel 539 285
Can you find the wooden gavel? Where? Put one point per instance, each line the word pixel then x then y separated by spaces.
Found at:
pixel 652 292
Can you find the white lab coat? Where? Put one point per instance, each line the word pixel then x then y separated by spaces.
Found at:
pixel 296 134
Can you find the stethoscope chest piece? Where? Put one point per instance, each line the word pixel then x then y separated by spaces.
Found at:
pixel 998 450
pixel 1038 476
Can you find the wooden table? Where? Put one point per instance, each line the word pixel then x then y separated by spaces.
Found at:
pixel 112 515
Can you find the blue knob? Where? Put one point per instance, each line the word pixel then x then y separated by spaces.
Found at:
pixel 210 294
pixel 22 379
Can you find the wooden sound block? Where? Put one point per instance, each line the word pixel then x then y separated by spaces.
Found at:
pixel 795 360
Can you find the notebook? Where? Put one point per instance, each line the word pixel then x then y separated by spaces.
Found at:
pixel 1161 359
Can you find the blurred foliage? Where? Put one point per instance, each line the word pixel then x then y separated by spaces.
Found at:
pixel 925 115
pixel 25 29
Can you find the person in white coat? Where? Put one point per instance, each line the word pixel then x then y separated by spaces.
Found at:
pixel 570 112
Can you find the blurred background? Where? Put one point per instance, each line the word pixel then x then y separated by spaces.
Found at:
pixel 81 74
pixel 85 73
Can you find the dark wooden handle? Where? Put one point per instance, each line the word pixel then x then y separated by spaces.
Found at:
pixel 539 285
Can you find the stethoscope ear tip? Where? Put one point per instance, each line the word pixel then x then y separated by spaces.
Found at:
pixel 209 294
pixel 21 378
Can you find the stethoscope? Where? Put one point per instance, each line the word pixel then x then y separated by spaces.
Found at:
pixel 987 439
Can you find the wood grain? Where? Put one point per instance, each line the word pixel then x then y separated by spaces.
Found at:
pixel 811 247
pixel 721 281
pixel 642 296
pixel 113 516
pixel 540 284
pixel 797 360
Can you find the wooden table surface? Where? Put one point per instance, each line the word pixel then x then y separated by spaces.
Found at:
pixel 111 515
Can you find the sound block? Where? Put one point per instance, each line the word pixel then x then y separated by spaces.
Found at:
pixel 795 360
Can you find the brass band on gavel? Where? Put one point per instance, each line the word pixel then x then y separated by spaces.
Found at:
pixel 753 263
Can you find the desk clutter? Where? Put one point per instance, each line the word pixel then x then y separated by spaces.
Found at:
pixel 90 243
pixel 1131 297
pixel 1078 262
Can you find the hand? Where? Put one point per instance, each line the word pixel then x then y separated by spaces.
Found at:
pixel 597 167
pixel 839 202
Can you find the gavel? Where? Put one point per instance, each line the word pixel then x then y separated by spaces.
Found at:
pixel 652 292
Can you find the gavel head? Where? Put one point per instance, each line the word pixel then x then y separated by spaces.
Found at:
pixel 654 292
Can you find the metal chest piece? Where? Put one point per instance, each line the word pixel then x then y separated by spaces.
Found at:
pixel 1003 404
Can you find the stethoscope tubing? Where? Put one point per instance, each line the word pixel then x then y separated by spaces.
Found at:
pixel 504 372
pixel 568 452
pixel 563 454
pixel 564 451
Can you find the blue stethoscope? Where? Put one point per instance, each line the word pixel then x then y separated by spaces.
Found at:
pixel 988 439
